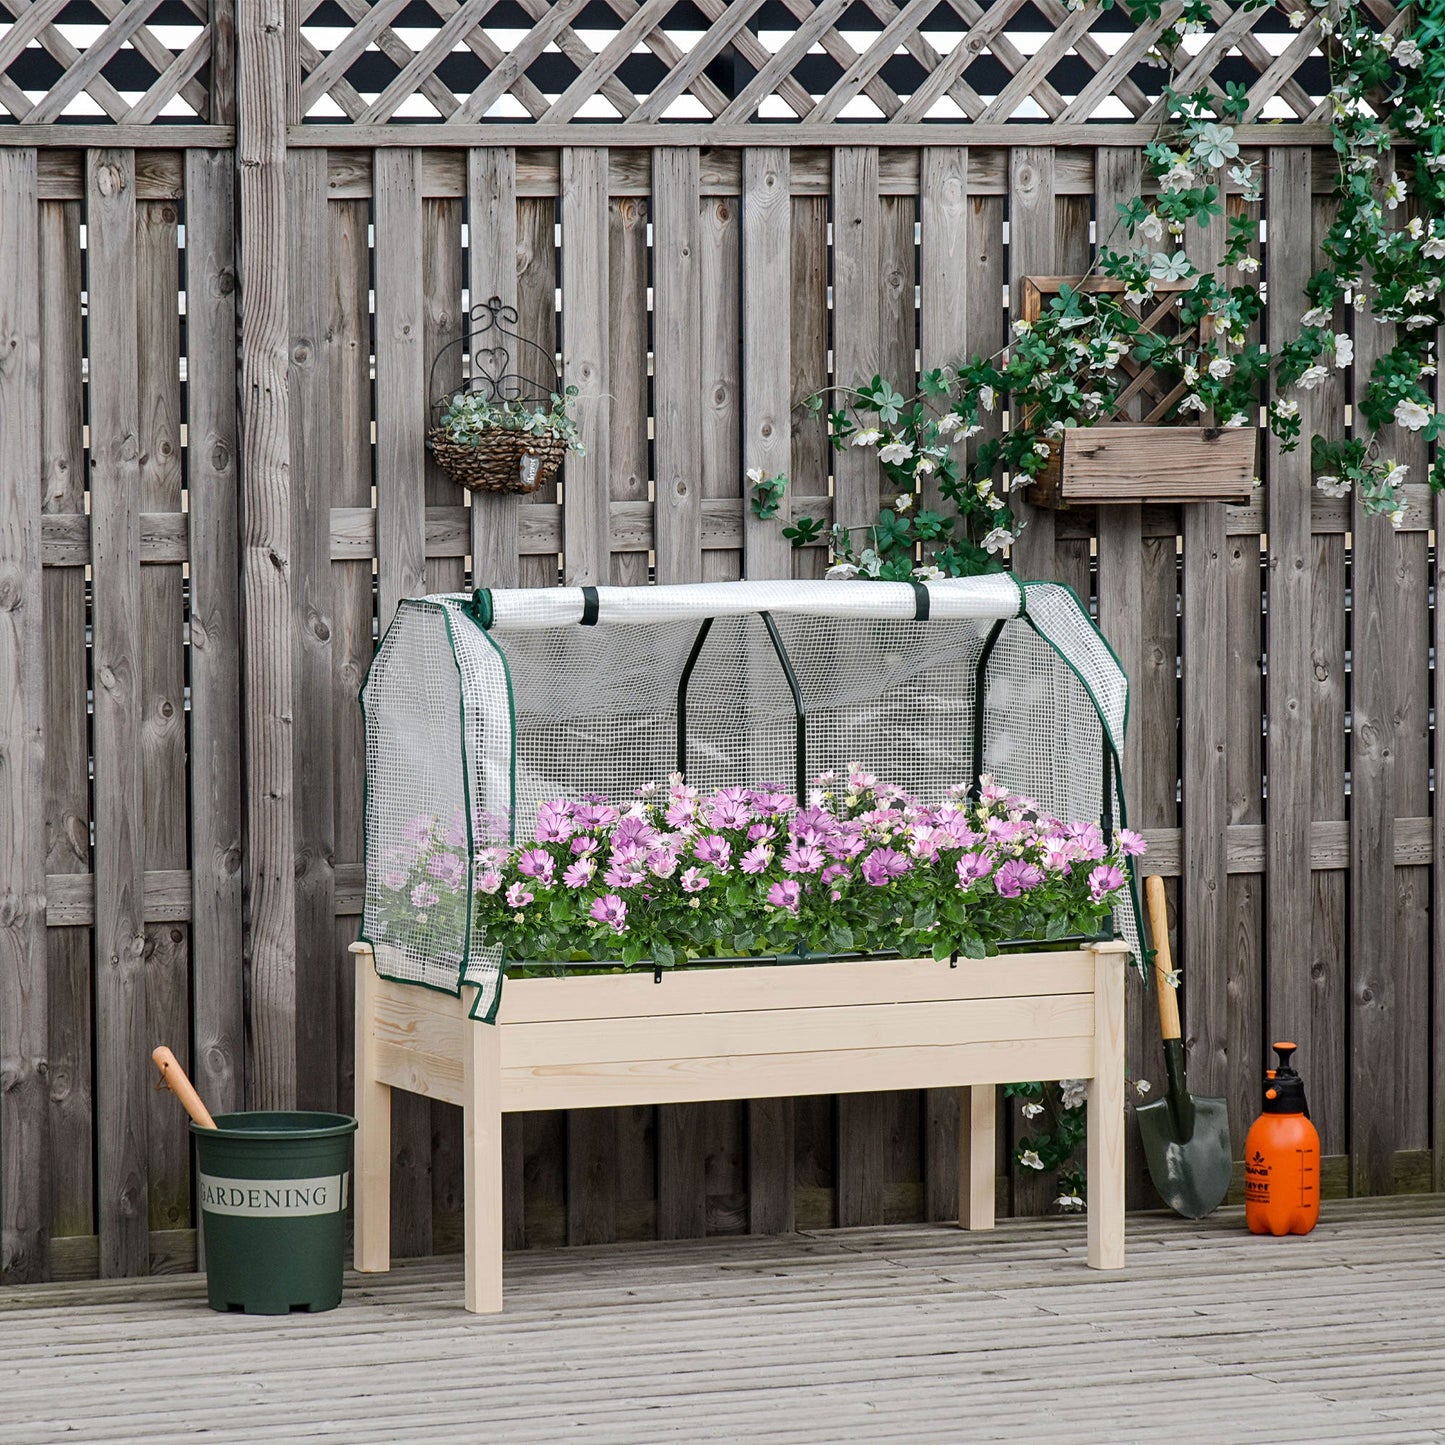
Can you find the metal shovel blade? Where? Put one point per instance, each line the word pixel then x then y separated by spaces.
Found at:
pixel 1191 1167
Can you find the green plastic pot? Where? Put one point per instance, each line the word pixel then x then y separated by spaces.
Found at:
pixel 274 1189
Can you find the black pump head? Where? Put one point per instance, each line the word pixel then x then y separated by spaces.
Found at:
pixel 1284 1089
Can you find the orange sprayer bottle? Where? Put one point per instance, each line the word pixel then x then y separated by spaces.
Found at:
pixel 1282 1157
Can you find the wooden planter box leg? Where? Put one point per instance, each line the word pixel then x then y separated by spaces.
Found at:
pixel 371 1243
pixel 482 1176
pixel 1106 1112
pixel 977 1155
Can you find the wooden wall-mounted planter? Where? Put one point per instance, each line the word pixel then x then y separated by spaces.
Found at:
pixel 1118 463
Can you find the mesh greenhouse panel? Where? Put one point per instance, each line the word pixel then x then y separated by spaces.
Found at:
pixel 895 697
pixel 418 859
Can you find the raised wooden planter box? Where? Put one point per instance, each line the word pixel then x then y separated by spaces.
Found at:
pixel 1118 463
pixel 737 1033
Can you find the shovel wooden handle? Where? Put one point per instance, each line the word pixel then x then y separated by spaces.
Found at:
pixel 1163 963
pixel 177 1082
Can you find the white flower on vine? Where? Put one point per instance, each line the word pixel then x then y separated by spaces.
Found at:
pixel 1239 419
pixel 1296 20
pixel 1249 264
pixel 1397 518
pixel 1415 119
pixel 997 539
pixel 868 437
pixel 1041 449
pixel 1030 1160
pixel 1192 402
pixel 1070 1201
pixel 986 397
pixel 1411 415
pixel 1151 228
pixel 1407 52
pixel 1312 376
pixel 1285 410
pixel 1415 295
pixel 924 466
pixel 1415 323
pixel 840 572
pixel 1333 486
pixel 1344 349
pixel 996 502
pixel 1396 191
pixel 1215 144
pixel 1434 248
pixel 1073 1093
pixel 949 424
pixel 1136 296
pixel 929 573
pixel 1316 316
pixel 1164 267
pixel 1415 229
pixel 755 475
pixel 1191 373
pixel 1179 177
pixel 1142 1087
pixel 1395 474
pixel 1247 179
pixel 903 502
pixel 1220 367
pixel 1022 328
pixel 896 452
pixel 1031 1110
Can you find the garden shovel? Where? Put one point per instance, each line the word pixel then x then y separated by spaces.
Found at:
pixel 1186 1140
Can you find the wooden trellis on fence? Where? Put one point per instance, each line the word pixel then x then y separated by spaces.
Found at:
pixel 708 210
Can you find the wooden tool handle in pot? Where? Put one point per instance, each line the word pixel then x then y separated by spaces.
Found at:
pixel 176 1080
pixel 1163 963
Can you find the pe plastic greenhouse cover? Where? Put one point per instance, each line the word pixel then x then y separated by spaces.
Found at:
pixel 481 707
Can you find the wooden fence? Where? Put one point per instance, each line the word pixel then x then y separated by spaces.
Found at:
pixel 213 491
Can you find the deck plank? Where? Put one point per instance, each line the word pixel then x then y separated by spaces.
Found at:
pixel 917 1332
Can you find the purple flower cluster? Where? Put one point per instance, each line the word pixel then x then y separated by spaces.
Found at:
pixel 859 864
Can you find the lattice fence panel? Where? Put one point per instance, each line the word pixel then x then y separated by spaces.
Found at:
pixel 640 62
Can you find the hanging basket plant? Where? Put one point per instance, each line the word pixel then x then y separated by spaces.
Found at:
pixel 1142 446
pixel 503 431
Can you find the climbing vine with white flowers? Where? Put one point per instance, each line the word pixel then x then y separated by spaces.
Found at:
pixel 1384 254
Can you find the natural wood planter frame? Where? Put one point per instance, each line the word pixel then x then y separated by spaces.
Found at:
pixel 741 1032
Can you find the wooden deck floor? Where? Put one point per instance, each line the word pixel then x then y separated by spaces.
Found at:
pixel 913 1333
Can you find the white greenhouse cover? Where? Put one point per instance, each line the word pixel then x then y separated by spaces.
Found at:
pixel 480 707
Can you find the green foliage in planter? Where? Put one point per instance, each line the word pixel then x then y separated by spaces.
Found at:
pixel 471 413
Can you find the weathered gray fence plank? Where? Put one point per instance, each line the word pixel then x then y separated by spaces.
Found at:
pixel 1289 755
pixel 348 342
pixel 401 367
pixel 586 542
pixel 492 271
pixel 767 355
pixel 216 823
pixel 265 560
pixel 677 298
pixel 23 974
pixel 163 688
pixel 121 1038
pixel 312 479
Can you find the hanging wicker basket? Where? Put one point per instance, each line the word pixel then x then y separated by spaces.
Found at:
pixel 495 463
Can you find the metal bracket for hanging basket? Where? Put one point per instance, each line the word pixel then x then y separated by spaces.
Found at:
pixel 488 342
